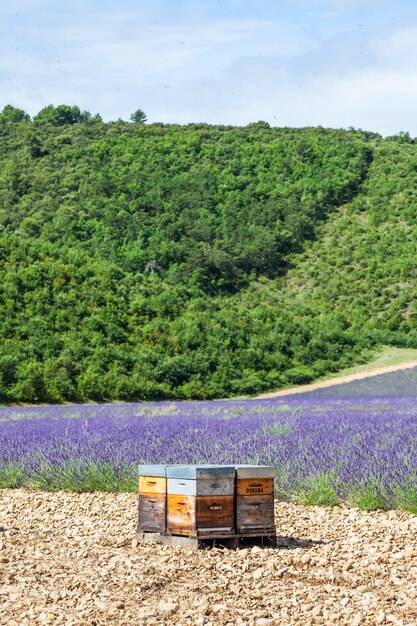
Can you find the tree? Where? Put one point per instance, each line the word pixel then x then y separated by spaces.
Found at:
pixel 139 117
pixel 62 115
pixel 13 115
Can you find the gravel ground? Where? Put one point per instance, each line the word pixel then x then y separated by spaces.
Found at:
pixel 73 559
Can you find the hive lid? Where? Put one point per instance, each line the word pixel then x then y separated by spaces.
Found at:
pixel 152 470
pixel 194 472
pixel 255 471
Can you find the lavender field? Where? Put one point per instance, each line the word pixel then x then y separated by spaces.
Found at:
pixel 327 447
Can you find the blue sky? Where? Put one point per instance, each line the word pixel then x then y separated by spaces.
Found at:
pixel 337 63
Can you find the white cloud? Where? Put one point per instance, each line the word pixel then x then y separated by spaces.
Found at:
pixel 398 49
pixel 192 61
pixel 375 91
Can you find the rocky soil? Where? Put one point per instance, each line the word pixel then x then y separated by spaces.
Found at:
pixel 73 559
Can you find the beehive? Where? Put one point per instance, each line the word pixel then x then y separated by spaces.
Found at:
pixel 254 499
pixel 200 500
pixel 152 498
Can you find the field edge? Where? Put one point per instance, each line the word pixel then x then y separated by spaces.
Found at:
pixel 388 359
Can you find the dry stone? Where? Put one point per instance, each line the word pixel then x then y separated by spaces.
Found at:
pixel 74 559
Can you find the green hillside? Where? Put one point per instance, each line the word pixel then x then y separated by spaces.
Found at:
pixel 158 261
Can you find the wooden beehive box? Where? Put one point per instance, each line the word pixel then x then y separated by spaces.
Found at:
pixel 152 498
pixel 254 499
pixel 200 500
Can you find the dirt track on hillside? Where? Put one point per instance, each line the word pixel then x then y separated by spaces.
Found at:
pixel 339 380
pixel 69 559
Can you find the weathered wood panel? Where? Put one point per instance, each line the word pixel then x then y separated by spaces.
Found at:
pixel 255 471
pixel 215 512
pixel 181 518
pixel 187 515
pixel 152 470
pixel 198 472
pixel 201 487
pixel 152 484
pixel 152 513
pixel 254 512
pixel 255 486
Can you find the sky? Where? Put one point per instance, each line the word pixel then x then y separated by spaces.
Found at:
pixel 337 63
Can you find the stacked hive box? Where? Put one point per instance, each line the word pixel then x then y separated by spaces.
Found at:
pixel 205 502
pixel 254 499
pixel 152 498
pixel 200 500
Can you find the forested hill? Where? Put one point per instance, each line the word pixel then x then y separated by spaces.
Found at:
pixel 160 261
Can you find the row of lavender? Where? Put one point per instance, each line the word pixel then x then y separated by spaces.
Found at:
pixel 326 449
pixel 399 384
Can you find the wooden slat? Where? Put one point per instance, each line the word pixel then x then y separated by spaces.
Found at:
pixel 197 472
pixel 152 470
pixel 255 471
pixel 152 513
pixel 152 484
pixel 186 515
pixel 254 511
pixel 181 514
pixel 201 487
pixel 215 512
pixel 229 540
pixel 255 486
